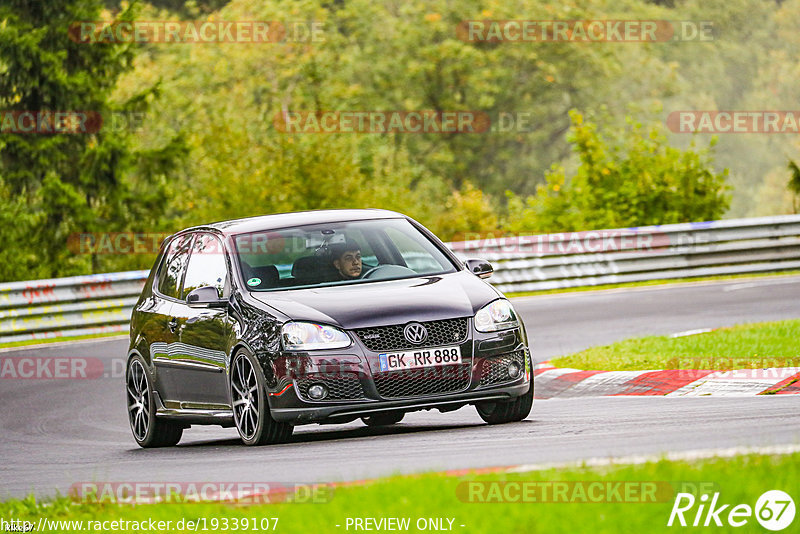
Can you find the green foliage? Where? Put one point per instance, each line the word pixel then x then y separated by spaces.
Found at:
pixel 467 210
pixel 55 185
pixel 227 98
pixel 633 179
pixel 16 222
pixel 752 64
pixel 794 183
pixel 208 149
pixel 186 8
pixel 374 57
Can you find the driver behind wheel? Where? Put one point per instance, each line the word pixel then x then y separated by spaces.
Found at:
pixel 347 259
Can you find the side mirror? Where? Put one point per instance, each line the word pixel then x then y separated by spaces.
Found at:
pixel 205 297
pixel 480 268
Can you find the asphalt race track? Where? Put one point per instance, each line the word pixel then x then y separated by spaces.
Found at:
pixel 59 432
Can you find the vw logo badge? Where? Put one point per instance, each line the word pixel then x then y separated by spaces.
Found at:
pixel 415 333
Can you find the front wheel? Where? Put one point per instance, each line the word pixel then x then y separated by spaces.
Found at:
pixel 517 409
pixel 250 409
pixel 148 430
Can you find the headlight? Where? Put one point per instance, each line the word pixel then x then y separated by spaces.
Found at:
pixel 311 336
pixel 499 315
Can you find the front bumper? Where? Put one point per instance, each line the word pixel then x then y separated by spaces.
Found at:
pixel 358 388
pixel 348 412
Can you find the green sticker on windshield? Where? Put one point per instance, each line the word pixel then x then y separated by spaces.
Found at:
pixel 254 281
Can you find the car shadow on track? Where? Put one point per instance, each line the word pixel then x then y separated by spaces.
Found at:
pixel 319 434
pixel 323 435
pixel 366 431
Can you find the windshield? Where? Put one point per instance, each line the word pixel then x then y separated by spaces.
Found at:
pixel 337 253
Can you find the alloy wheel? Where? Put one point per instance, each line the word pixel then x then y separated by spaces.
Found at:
pixel 245 392
pixel 138 400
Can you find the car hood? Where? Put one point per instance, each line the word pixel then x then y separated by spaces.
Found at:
pixel 428 298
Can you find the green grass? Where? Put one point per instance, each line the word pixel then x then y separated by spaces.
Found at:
pixel 749 346
pixel 739 480
pixel 647 283
pixel 59 339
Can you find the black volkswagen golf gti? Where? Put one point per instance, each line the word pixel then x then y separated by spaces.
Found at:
pixel 318 317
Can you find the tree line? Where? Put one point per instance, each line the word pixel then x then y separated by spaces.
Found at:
pixel 576 141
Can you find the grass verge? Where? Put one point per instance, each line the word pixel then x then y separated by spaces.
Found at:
pixel 749 346
pixel 739 480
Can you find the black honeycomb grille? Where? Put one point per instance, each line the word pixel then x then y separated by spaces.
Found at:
pixel 383 338
pixel 345 386
pixel 422 382
pixel 494 370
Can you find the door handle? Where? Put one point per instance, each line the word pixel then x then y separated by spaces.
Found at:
pixel 173 324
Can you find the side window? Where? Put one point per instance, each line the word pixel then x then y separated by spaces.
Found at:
pixel 206 265
pixel 169 275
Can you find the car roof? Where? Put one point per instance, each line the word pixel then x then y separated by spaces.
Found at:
pixel 298 218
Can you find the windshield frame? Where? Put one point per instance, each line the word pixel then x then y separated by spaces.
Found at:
pixel 426 236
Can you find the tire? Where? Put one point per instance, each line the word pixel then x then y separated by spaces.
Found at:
pixel 383 419
pixel 251 413
pixel 148 430
pixel 496 413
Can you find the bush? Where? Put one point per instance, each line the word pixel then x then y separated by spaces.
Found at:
pixel 626 178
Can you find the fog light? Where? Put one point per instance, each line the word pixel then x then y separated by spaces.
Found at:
pixel 319 392
pixel 513 369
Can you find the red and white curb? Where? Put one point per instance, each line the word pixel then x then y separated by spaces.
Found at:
pixel 564 383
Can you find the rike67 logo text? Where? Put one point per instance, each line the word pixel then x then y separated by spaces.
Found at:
pixel 774 510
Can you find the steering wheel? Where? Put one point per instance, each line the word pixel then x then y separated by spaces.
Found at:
pixel 387 271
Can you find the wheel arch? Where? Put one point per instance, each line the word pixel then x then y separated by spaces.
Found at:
pixel 146 357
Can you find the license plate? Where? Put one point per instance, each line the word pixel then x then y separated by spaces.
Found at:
pixel 412 359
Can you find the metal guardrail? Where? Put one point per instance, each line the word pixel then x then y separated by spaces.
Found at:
pixel 553 261
pixel 93 304
pixel 61 307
